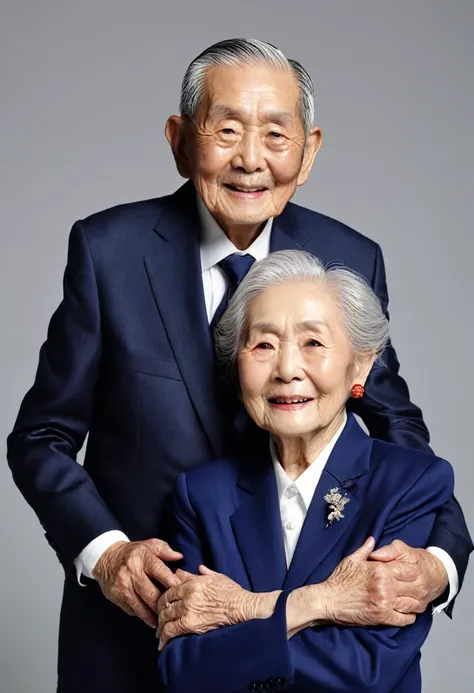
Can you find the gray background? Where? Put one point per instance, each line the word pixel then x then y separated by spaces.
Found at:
pixel 86 88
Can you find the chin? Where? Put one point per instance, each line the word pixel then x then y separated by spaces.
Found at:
pixel 291 431
pixel 243 217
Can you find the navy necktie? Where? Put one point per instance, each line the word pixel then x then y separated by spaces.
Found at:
pixel 236 267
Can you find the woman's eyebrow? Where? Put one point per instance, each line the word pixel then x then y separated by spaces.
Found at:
pixel 301 326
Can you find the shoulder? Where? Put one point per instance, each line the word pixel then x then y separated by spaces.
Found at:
pixel 211 477
pixel 313 219
pixel 122 232
pixel 205 489
pixel 123 223
pixel 126 216
pixel 410 465
pixel 335 242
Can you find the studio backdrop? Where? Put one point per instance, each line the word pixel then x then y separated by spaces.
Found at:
pixel 86 88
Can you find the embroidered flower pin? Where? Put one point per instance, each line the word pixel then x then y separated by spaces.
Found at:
pixel 336 502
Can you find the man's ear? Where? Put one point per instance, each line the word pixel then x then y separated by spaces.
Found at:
pixel 312 146
pixel 177 134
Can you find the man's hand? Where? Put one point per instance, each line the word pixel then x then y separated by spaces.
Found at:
pixel 363 592
pixel 430 583
pixel 125 572
pixel 201 603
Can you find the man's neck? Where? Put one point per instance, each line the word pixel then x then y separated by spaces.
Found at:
pixel 242 235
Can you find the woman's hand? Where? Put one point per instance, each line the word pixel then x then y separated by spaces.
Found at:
pixel 201 603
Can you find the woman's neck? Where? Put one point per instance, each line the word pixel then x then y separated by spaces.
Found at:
pixel 295 454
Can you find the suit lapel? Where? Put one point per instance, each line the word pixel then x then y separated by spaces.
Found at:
pixel 257 526
pixel 349 461
pixel 174 272
pixel 175 277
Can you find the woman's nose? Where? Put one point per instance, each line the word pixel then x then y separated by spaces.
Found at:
pixel 288 366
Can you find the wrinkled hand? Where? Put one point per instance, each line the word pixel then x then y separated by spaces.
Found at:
pixel 362 592
pixel 201 603
pixel 430 582
pixel 125 572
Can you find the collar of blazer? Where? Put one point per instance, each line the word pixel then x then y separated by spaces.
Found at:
pixel 257 524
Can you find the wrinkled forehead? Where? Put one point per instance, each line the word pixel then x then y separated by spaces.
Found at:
pixel 249 93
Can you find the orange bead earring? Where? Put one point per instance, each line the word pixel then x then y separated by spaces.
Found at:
pixel 357 391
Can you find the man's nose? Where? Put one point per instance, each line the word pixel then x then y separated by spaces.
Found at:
pixel 288 366
pixel 249 154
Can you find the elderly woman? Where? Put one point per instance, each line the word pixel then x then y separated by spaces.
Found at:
pixel 276 537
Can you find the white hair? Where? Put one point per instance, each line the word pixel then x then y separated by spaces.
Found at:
pixel 365 323
pixel 241 51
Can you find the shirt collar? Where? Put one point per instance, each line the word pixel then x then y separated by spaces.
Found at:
pixel 307 481
pixel 215 245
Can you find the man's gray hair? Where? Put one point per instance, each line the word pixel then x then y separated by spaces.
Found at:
pixel 241 51
pixel 365 323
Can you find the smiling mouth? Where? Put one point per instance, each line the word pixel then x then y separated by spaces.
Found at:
pixel 290 400
pixel 236 188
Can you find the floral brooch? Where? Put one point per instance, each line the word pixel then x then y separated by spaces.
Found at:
pixel 336 502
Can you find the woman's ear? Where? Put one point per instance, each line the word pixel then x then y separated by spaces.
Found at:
pixel 363 366
pixel 177 135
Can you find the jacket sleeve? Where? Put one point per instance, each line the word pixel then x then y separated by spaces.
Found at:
pixel 54 416
pixel 389 414
pixel 257 655
pixel 386 408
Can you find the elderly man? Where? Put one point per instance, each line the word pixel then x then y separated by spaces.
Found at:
pixel 129 360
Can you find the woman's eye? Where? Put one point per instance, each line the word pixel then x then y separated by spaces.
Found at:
pixel 313 343
pixel 228 131
pixel 264 345
pixel 276 135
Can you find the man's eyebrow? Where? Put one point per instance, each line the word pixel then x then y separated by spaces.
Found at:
pixel 279 117
pixel 218 111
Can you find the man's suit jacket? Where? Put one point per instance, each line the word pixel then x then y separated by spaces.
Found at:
pixel 129 360
pixel 226 515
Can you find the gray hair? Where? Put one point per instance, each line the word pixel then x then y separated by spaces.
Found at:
pixel 240 51
pixel 363 318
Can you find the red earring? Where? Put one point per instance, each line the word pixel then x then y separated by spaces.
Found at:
pixel 357 391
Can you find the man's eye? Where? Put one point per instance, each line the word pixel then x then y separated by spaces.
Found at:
pixel 264 345
pixel 276 135
pixel 313 343
pixel 228 131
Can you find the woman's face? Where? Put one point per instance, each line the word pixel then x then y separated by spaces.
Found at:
pixel 296 366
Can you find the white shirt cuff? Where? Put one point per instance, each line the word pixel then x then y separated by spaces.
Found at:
pixel 452 572
pixel 85 562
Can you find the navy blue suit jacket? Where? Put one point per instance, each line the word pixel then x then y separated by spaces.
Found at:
pixel 129 361
pixel 226 515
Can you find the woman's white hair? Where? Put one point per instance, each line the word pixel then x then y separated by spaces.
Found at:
pixel 242 51
pixel 365 323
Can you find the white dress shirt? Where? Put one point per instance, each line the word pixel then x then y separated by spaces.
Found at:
pixel 295 496
pixel 215 246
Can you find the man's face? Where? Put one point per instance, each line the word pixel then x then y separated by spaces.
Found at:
pixel 246 150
